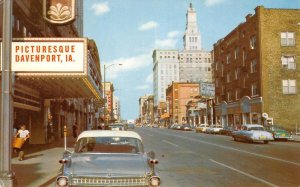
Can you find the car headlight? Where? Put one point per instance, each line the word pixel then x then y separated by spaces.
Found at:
pixel 62 181
pixel 154 181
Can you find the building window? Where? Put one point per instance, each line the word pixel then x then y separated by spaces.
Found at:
pixel 223 90
pixel 252 42
pixel 287 38
pixel 228 58
pixel 229 97
pixel 254 90
pixel 288 62
pixel 244 57
pixel 222 69
pixel 253 66
pixel 24 31
pixel 289 86
pixel 216 66
pixel 18 25
pixel 237 73
pixel 217 83
pixel 236 53
pixel 237 94
pixel 228 77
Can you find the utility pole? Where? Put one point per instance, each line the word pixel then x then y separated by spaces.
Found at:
pixel 7 177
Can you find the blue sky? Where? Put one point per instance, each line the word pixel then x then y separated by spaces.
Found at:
pixel 127 31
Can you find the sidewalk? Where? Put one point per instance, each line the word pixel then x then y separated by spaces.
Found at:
pixel 40 166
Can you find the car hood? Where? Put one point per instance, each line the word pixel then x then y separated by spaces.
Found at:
pixel 112 164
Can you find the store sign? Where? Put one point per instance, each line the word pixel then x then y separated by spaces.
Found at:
pixel 207 89
pixel 59 11
pixel 49 55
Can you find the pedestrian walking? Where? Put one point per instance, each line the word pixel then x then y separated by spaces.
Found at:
pixel 21 141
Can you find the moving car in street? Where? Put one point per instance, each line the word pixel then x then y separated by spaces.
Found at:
pixel 186 127
pixel 252 133
pixel 108 158
pixel 279 133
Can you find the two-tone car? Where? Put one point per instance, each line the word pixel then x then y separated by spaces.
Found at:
pixel 279 133
pixel 252 133
pixel 108 158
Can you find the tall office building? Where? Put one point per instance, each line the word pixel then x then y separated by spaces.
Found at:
pixel 165 70
pixel 195 64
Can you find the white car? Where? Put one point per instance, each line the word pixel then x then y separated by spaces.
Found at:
pixel 252 133
pixel 214 129
pixel 202 128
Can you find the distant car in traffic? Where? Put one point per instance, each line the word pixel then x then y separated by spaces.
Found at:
pixel 202 128
pixel 214 129
pixel 108 158
pixel 252 133
pixel 186 127
pixel 226 131
pixel 279 133
pixel 116 127
pixel 130 125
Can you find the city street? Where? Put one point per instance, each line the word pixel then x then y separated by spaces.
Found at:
pixel 193 159
pixel 188 159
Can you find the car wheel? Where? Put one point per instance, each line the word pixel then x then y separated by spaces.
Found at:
pixel 266 142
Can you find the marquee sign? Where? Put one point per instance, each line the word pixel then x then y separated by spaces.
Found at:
pixel 39 55
pixel 59 11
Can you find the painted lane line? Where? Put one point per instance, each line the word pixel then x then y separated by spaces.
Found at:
pixel 170 143
pixel 233 149
pixel 243 173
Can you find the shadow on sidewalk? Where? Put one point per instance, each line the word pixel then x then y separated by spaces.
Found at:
pixel 33 148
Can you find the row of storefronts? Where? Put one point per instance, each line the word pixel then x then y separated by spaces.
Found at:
pixel 56 72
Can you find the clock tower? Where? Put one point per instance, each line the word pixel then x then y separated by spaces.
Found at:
pixel 192 37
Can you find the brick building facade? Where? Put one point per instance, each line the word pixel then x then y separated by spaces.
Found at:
pixel 256 72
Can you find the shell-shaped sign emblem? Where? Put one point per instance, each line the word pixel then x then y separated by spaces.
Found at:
pixel 59 11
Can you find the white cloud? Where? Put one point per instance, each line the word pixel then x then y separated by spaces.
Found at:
pixel 173 34
pixel 169 43
pixel 213 2
pixel 128 64
pixel 149 78
pixel 100 8
pixel 142 87
pixel 147 26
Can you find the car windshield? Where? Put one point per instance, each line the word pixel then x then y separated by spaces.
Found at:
pixel 256 129
pixel 109 145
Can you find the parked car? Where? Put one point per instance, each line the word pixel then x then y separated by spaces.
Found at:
pixel 251 133
pixel 279 133
pixel 108 158
pixel 227 131
pixel 202 128
pixel 116 127
pixel 176 127
pixel 214 129
pixel 186 127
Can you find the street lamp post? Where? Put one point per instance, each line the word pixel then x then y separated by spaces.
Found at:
pixel 104 91
pixel 6 128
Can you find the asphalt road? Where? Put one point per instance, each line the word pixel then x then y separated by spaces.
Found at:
pixel 189 159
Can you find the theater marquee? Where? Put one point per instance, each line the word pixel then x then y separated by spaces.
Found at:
pixel 49 55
